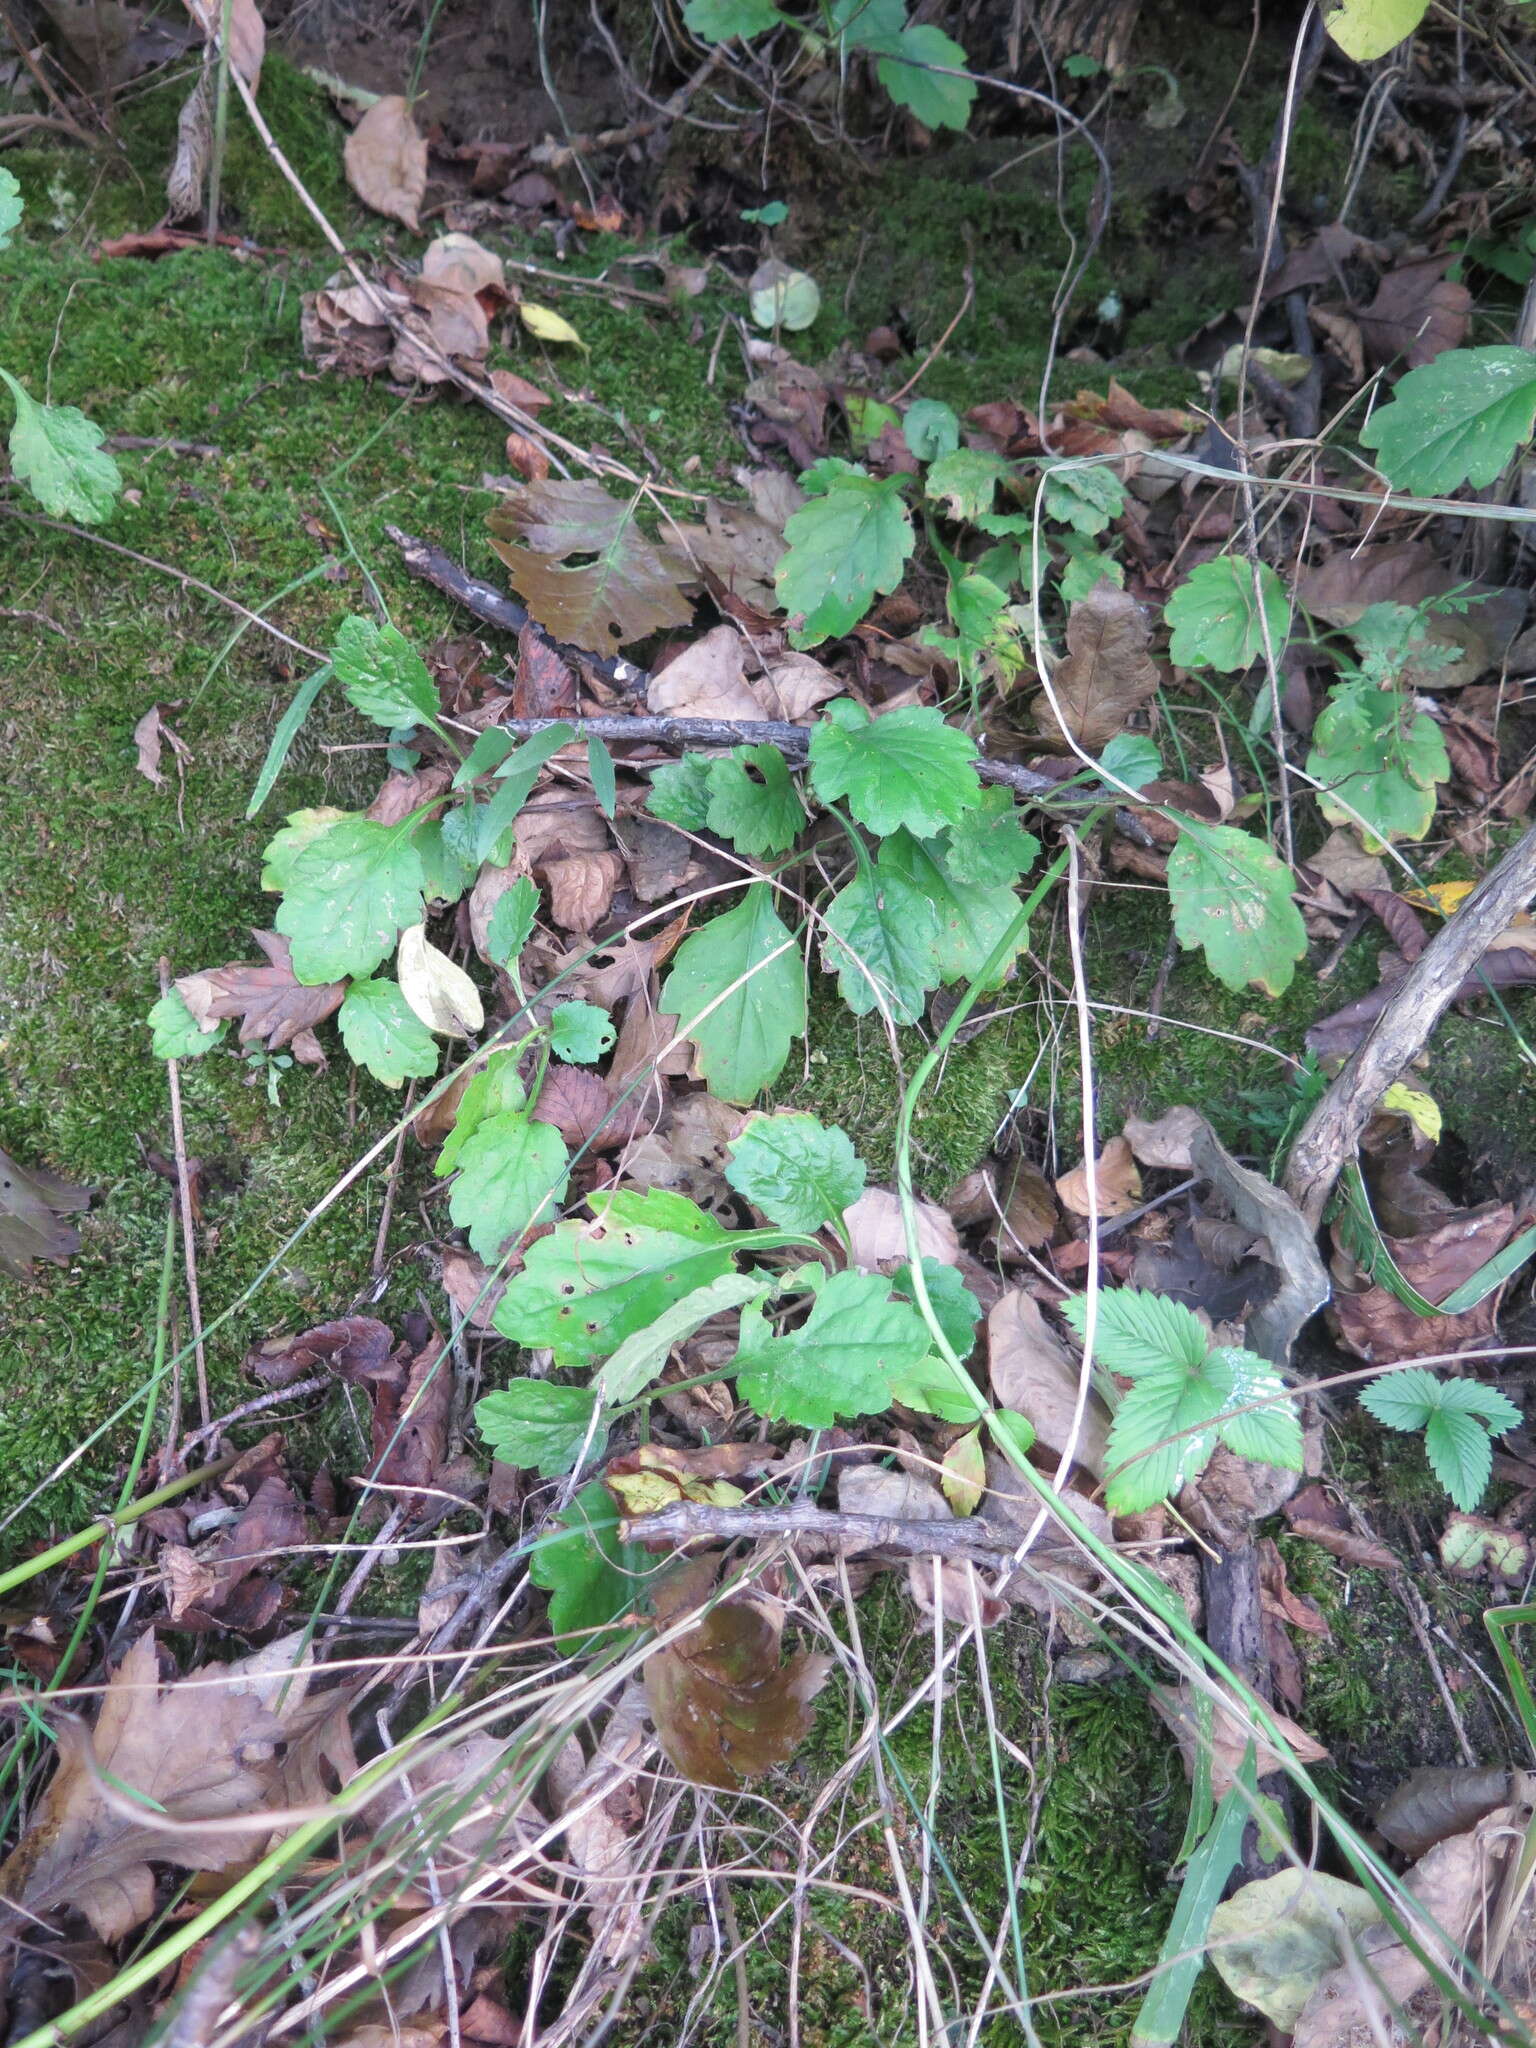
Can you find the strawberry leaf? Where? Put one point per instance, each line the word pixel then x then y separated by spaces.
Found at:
pixel 580 1032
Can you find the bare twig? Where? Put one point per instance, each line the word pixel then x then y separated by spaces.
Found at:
pixel 188 1236
pixel 689 1522
pixel 318 1383
pixel 966 302
pixel 1416 1005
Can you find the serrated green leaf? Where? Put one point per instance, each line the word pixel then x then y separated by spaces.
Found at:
pixel 1216 618
pixel 383 675
pixel 752 801
pixel 1460 1455
pixel 1163 1404
pixel 534 1425
pixel 1270 1435
pixel 680 792
pixel 1133 758
pixel 929 1389
pixel 970 920
pixel 718 21
pixel 644 1353
pixel 907 768
pixel 842 1359
pixel 867 24
pixel 350 893
pixel 738 990
pixel 512 1175
pixel 1083 495
pixel 1469 1397
pixel 177 1033
pixel 301 829
pixel 449 855
pixel 10 207
pixel 491 1091
pixel 1137 1332
pixel 56 451
pixel 589 1285
pixel 937 99
pixel 512 921
pixel 383 1033
pixel 1402 1400
pixel 802 1174
pixel 930 429
pixel 591 1577
pixel 1455 421
pixel 605 785
pixel 965 482
pixel 1379 760
pixel 1232 897
pixel 845 549
pixel 580 1033
pixel 881 940
pixel 955 1308
pixel 989 847
pixel 1085 568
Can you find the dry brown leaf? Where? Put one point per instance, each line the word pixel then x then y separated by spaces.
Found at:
pixel 1345 1544
pixel 579 561
pixel 1030 1215
pixel 272 1005
pixel 892 1494
pixel 462 1792
pixel 227 1741
pixel 356 1348
pixel 247 34
pixel 1230 1737
pixel 1343 861
pixel 471 1286
pixel 1438 1800
pixel 1106 674
pixel 1167 1142
pixel 528 458
pixel 150 735
pixel 386 161
pixel 794 684
pixel 517 390
pixel 440 326
pixel 602 1807
pixel 877 1236
pixel 707 680
pixel 1117 1184
pixel 1415 314
pixel 553 825
pixel 459 263
pixel 1379 1328
pixel 581 888
pixel 1036 1374
pixel 576 1101
pixel 32 1201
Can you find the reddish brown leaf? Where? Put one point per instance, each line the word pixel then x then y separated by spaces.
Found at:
pixel 544 686
pixel 1121 411
pixel 1379 1328
pixel 355 1348
pixel 472 1288
pixel 1415 314
pixel 1117 1184
pixel 1404 926
pixel 517 390
pixel 581 564
pixel 1107 673
pixel 1438 1800
pixel 581 888
pixel 272 1004
pixel 576 1101
pixel 32 1201
pixel 1345 1544
pixel 410 1423
pixel 386 161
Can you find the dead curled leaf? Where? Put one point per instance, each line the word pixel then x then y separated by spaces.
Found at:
pixel 1117 1184
pixel 1379 1328
pixel 274 1008
pixel 1037 1374
pixel 32 1202
pixel 1230 1737
pixel 228 1742
pixel 150 736
pixel 386 161
pixel 247 33
pixel 602 1807
pixel 877 1235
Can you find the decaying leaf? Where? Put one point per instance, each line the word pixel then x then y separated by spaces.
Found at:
pixel 247 33
pixel 1438 1800
pixel 437 989
pixel 707 680
pixel 386 161
pixel 1343 586
pixel 877 1236
pixel 459 263
pixel 274 1007
pixel 581 564
pixel 602 1807
pixel 1416 313
pixel 1379 1328
pixel 1474 1547
pixel 32 1202
pixel 725 1708
pixel 1035 1373
pixel 356 1348
pixel 1106 674
pixel 228 1742
pixel 150 737
pixel 964 1477
pixel 1117 1184
pixel 1230 1737
pixel 1275 1939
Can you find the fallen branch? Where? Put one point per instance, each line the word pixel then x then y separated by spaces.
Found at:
pixel 691 1523
pixel 1400 1033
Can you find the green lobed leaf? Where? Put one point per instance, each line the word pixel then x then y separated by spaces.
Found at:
pixel 930 429
pixel 964 482
pixel 680 792
pixel 1378 760
pixel 491 1091
pixel 534 1425
pixel 383 675
pixel 717 21
pixel 907 768
pixel 301 829
pixel 937 100
pixel 955 1308
pixel 512 921
pixel 1216 618
pixel 752 801
pixel 1085 568
pixel 842 1359
pixel 10 206
pixel 802 1174
pixel 1083 495
pixel 588 1285
pixel 1468 1397
pixel 988 846
pixel 867 24
pixel 1231 896
pixel 1457 420
pixel 350 893
pixel 580 1033
pixel 845 549
pixel 383 1033
pixel 512 1175
pixel 592 1577
pixel 970 920
pixel 738 990
pixel 881 940
pixel 1133 758
pixel 56 451
pixel 177 1033
pixel 1271 1435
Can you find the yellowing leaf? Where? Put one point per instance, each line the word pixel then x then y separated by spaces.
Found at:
pixel 1367 29
pixel 547 325
pixel 441 993
pixel 964 1477
pixel 1421 1110
pixel 1444 897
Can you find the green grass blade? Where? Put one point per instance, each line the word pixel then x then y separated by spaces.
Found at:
pixel 1182 1957
pixel 287 732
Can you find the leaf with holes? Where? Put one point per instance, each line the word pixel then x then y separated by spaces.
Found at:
pixel 881 940
pixel 512 1175
pixel 539 1427
pixel 907 768
pixel 1232 897
pixel 737 989
pixel 382 1033
pixel 583 567
pixel 1221 611
pixel 844 549
pixel 752 801
pixel 383 675
pixel 802 1174
pixel 841 1360
pixel 350 893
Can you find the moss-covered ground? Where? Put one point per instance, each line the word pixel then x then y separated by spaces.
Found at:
pixel 103 874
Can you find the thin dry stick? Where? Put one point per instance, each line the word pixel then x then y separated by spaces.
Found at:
pixel 943 341
pixel 391 1185
pixel 188 1239
pixel 688 1522
pixel 1400 1033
